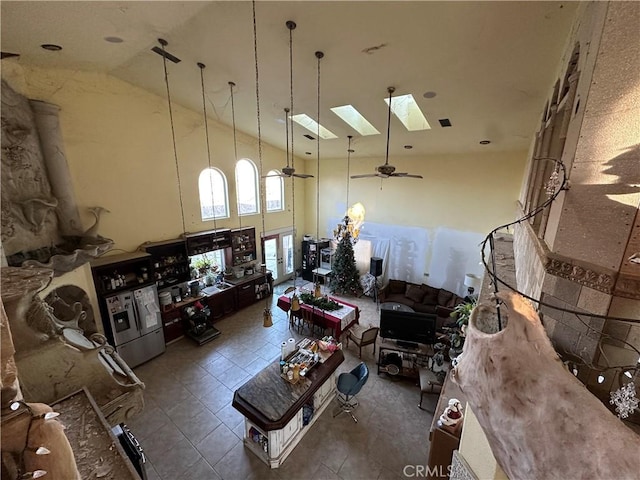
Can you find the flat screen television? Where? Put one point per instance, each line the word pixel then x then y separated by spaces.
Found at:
pixel 408 326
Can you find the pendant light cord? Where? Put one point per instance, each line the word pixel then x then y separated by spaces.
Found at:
pixel 348 170
pixel 262 190
pixel 386 158
pixel 289 119
pixel 206 130
pixel 293 196
pixel 173 132
pixel 291 26
pixel 319 55
pixel 235 148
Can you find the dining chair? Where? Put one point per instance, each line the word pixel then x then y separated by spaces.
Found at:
pixel 363 336
pixel 307 319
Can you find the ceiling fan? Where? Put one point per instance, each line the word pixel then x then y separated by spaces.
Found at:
pixel 386 170
pixel 289 171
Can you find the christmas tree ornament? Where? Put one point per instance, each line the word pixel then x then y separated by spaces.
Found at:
pixel 625 400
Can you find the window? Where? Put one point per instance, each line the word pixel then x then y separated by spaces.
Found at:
pixel 247 187
pixel 214 197
pixel 274 189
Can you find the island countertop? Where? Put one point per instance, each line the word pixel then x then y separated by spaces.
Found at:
pixel 269 401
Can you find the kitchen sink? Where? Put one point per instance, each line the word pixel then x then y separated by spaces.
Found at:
pixel 217 288
pixel 210 290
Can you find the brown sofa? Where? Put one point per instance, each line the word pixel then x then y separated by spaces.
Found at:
pixel 422 298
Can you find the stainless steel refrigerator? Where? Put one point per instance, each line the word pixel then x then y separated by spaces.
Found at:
pixel 135 324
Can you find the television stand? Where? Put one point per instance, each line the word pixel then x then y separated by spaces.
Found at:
pixel 396 359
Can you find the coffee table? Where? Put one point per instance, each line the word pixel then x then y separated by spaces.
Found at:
pixel 400 307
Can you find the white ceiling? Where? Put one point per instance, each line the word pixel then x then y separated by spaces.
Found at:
pixel 491 64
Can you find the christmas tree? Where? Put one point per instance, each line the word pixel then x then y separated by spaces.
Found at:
pixel 345 279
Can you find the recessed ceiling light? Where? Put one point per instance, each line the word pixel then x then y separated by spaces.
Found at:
pixel 429 94
pixel 351 150
pixel 51 47
pixel 350 115
pixel 485 142
pixel 307 153
pixel 113 39
pixel 408 112
pixel 408 147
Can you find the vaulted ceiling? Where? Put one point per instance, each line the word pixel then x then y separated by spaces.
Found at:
pixel 490 64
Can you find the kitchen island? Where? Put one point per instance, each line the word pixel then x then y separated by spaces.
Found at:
pixel 277 414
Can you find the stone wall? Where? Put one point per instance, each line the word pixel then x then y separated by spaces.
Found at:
pixel 579 258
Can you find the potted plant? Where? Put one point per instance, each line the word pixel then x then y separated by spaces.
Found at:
pixel 202 264
pixel 457 332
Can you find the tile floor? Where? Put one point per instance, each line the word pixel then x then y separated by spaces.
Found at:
pixel 190 430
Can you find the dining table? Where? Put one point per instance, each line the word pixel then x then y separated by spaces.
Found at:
pixel 338 320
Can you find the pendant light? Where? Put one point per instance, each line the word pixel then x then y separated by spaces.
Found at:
pixel 317 291
pixel 267 320
pixel 206 131
pixel 165 55
pixel 350 226
pixel 235 147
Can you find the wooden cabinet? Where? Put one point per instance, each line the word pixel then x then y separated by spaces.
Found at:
pixel 170 261
pixel 172 324
pixel 245 294
pixel 443 442
pixel 253 289
pixel 243 247
pixel 207 241
pixel 116 273
pixel 222 304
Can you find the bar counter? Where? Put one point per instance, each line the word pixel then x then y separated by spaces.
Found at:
pixel 273 407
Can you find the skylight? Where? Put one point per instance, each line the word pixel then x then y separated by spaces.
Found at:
pixel 351 116
pixel 408 112
pixel 310 124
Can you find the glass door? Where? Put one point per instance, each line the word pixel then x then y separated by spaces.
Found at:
pixel 278 256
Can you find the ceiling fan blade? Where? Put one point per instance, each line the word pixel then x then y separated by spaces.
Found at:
pixel 365 175
pixel 279 175
pixel 302 175
pixel 406 175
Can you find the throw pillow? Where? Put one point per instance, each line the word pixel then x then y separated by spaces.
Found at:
pixel 415 293
pixel 444 296
pixel 455 300
pixel 430 296
pixel 396 286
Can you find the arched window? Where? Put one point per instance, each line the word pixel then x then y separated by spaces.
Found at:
pixel 247 187
pixel 274 189
pixel 214 197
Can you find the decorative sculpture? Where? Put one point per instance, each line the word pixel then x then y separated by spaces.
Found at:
pixel 540 421
pixel 40 219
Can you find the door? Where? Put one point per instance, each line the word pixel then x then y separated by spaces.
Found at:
pixel 278 255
